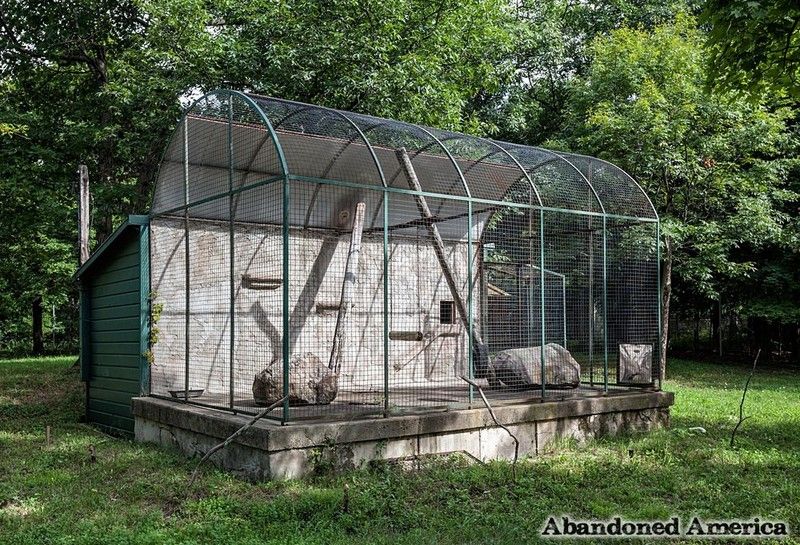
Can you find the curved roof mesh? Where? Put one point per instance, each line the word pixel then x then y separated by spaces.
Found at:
pixel 228 141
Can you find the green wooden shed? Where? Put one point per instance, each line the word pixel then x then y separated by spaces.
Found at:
pixel 114 325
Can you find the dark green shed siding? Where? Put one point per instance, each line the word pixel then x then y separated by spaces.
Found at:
pixel 114 327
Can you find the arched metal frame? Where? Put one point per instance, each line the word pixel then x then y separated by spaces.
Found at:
pixel 285 176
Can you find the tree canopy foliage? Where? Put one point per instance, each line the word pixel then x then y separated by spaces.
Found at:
pixel 714 165
pixel 754 46
pixel 696 99
pixel 102 82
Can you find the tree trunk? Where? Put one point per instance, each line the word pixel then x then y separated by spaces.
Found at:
pixel 38 335
pixel 762 337
pixel 716 327
pixel 104 227
pixel 719 327
pixel 666 294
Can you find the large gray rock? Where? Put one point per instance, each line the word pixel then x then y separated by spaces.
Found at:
pixel 522 368
pixel 310 382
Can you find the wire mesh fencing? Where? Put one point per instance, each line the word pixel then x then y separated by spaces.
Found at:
pixel 361 266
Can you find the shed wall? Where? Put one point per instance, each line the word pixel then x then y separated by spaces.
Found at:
pixel 114 334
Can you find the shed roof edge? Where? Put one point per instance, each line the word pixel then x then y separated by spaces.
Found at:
pixel 134 221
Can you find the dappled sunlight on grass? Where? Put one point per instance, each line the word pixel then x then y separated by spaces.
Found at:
pixel 139 493
pixel 20 508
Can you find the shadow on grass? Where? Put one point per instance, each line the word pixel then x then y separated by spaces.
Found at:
pixel 137 493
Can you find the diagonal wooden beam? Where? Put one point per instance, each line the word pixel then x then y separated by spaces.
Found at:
pixel 478 347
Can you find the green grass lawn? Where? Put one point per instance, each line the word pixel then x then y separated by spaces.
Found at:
pixel 138 494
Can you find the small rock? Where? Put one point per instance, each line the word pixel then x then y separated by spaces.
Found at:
pixel 310 382
pixel 697 429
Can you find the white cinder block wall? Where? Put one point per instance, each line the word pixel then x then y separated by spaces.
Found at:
pixel 317 262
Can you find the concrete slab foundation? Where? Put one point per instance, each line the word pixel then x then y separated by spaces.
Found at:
pixel 271 451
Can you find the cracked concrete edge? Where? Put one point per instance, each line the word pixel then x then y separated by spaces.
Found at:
pixel 273 437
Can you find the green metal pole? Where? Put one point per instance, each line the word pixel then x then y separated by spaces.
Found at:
pixel 530 318
pixel 659 296
pixel 285 224
pixel 470 360
pixel 186 256
pixel 145 307
pixel 236 191
pixel 605 305
pixel 591 303
pixel 286 345
pixel 564 308
pixel 231 254
pixel 453 197
pixel 385 303
pixel 541 294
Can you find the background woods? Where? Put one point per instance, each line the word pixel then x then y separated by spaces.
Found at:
pixel 656 87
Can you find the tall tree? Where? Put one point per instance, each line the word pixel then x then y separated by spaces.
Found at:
pixel 37 253
pixel 103 82
pixel 95 82
pixel 755 51
pixel 711 162
pixel 104 78
pixel 552 47
pixel 422 61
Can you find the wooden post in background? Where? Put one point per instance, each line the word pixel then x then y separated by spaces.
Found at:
pixel 83 214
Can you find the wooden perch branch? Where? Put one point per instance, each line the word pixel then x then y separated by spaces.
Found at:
pixel 494 417
pixel 233 436
pixel 742 418
pixel 438 245
pixel 481 361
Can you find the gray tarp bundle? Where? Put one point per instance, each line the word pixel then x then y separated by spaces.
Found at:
pixel 522 367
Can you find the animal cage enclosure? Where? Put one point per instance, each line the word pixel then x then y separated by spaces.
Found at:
pixel 353 265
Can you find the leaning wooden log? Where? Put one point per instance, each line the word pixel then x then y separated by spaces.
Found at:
pixel 311 382
pixel 348 289
pixel 480 354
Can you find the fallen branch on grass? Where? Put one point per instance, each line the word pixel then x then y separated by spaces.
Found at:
pixel 742 418
pixel 494 417
pixel 233 436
